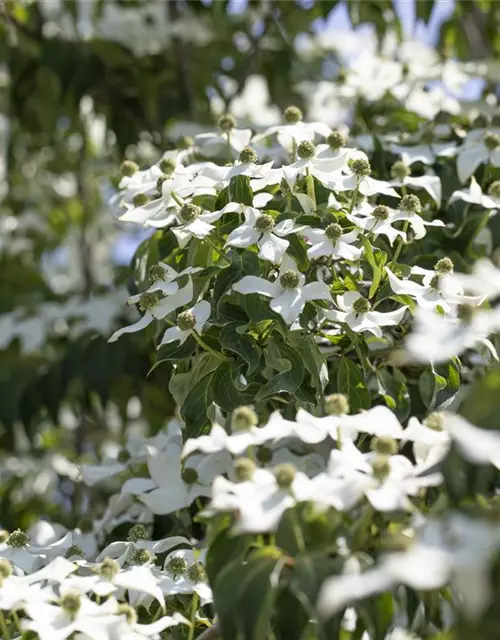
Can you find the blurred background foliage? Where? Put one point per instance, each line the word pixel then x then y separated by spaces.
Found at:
pixel 84 84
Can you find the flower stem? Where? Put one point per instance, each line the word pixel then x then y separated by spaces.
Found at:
pixel 176 198
pixel 205 346
pixel 299 536
pixel 229 148
pixel 401 242
pixel 354 198
pixel 194 608
pixel 15 617
pixel 310 187
pixel 217 250
pixel 294 150
pixel 3 627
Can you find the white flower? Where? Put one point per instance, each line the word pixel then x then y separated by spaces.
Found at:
pixel 475 195
pixel 417 223
pixel 355 311
pixel 192 320
pixel 480 446
pixel 358 177
pixel 480 146
pixel 430 443
pixel 377 220
pixel 260 228
pixel 193 221
pixel 155 306
pixel 426 153
pixel 288 292
pixel 429 182
pixel 483 281
pixel 186 574
pixel 123 552
pixel 331 242
pixel 213 144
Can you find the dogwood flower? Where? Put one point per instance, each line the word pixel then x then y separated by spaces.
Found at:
pixel 409 210
pixel 358 177
pixel 189 321
pixel 475 195
pixel 261 229
pixel 378 221
pixel 483 281
pixel 288 292
pixel 213 144
pixel 156 307
pixel 401 174
pixel 355 311
pixel 331 242
pixel 480 146
pixel 480 446
pixel 185 573
pixel 193 222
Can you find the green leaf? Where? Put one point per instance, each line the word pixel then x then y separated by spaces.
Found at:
pixel 196 404
pixel 350 380
pixel 375 264
pixel 225 548
pixel 243 344
pixel 311 356
pixel 181 384
pixel 242 263
pixel 227 392
pixel 288 362
pixel 174 351
pixel 393 388
pixel 240 191
pixel 430 384
pixel 482 404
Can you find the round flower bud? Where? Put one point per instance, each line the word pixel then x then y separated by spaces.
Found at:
pixel 342 76
pixel 159 184
pixel 336 140
pixel 435 421
pixel 244 469
pixel 384 445
pixel 444 265
pixel 4 535
pixel 128 611
pixel 285 187
pixel 466 313
pixel 168 165
pixel 248 155
pixel 381 212
pixel 481 121
pixel 5 568
pixel 123 456
pixel 185 142
pixel 264 222
pixel 197 573
pixel 148 300
pixel 333 231
pixel 361 305
pixel 141 556
pixel 155 273
pixel 491 141
pixel 285 475
pixel 381 467
pixel 264 455
pixel 336 404
pixel 140 199
pixel 18 539
pixel 360 167
pixel 176 566
pixel 434 283
pixel 189 212
pixel 186 321
pixel 306 150
pixel 128 168
pixel 71 603
pixel 400 170
pixel 189 475
pixel 74 550
pixel 289 279
pixel 86 524
pixel 108 569
pixel 292 114
pixel 410 203
pixel 226 122
pixel 244 418
pixel 494 189
pixel 138 532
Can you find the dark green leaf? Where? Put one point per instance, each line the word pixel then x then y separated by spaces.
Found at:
pixel 350 380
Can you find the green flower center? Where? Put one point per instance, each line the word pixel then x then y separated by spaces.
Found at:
pixel 410 203
pixel 186 321
pixel 361 305
pixel 74 550
pixel 148 300
pixel 226 122
pixel 189 212
pixel 360 167
pixel 159 184
pixel 264 455
pixel 336 140
pixel 434 283
pixel 185 142
pixel 248 155
pixel 381 212
pixel 384 445
pixel 155 273
pixel 333 231
pixel 141 556
pixel 265 222
pixel 123 456
pixel 336 404
pixel 400 170
pixel 435 421
pixel 289 279
pixel 243 419
pixel 168 165
pixel 197 573
pixel 306 150
pixel 491 141
pixel 244 469
pixel 4 535
pixel 189 475
pixel 140 199
pixel 292 114
pixel 381 468
pixel 127 611
pixel 285 475
pixel 128 168
pixel 5 568
pixel 466 313
pixel 285 187
pixel 444 265
pixel 108 569
pixel 138 532
pixel 18 539
pixel 177 566
pixel 71 603
pixel 494 190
